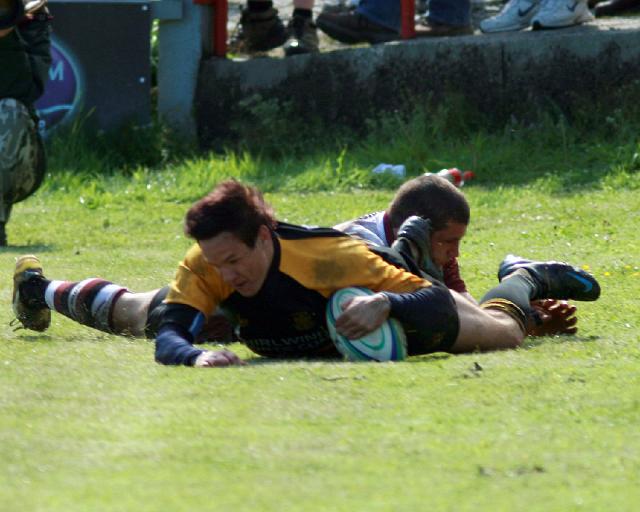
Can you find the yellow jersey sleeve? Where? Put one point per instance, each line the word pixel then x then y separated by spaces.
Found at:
pixel 327 264
pixel 198 284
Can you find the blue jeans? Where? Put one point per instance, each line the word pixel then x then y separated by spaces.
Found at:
pixel 387 12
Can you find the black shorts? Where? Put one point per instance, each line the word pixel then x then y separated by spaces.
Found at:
pixel 154 315
pixel 444 324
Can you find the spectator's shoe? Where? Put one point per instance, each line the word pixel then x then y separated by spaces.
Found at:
pixel 3 234
pixel 561 14
pixel 616 7
pixel 339 7
pixel 31 316
pixel 415 232
pixel 303 36
pixel 258 32
pixel 428 28
pixel 352 28
pixel 555 280
pixel 516 15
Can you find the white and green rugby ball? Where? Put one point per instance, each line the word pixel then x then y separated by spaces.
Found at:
pixel 387 343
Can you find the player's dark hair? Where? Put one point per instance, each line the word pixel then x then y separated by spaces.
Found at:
pixel 230 207
pixel 430 197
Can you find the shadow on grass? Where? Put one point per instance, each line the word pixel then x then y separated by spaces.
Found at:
pixel 260 361
pixel 22 249
pixel 31 338
pixel 538 341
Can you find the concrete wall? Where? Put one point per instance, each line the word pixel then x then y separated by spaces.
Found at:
pixel 183 38
pixel 500 74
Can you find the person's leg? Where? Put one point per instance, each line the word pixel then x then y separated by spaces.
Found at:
pixel 381 12
pixel 260 28
pixel 96 303
pixel 446 18
pixel 303 4
pixel 130 312
pixel 492 326
pixel 302 33
pixel 450 12
pixel 505 311
pixel 22 160
pixel 373 21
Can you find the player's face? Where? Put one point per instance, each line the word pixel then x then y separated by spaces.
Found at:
pixel 445 243
pixel 242 267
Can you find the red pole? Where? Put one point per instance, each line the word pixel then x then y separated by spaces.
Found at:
pixel 407 19
pixel 219 15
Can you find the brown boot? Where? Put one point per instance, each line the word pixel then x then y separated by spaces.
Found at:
pixel 352 28
pixel 258 32
pixel 428 28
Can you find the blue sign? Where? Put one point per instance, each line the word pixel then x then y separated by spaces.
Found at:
pixel 64 89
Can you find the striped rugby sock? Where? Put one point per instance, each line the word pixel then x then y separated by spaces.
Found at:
pixel 89 302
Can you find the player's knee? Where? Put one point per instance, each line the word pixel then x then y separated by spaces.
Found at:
pixel 513 338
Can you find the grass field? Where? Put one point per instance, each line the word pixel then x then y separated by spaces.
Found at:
pixel 88 422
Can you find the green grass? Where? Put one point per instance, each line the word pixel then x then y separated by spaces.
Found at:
pixel 88 422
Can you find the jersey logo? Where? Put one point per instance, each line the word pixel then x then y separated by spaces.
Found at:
pixel 303 321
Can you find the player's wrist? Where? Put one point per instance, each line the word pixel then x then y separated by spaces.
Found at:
pixel 202 359
pixel 384 302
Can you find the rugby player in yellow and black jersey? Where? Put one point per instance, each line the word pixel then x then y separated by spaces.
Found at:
pixel 275 279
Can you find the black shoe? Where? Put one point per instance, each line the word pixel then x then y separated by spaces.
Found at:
pixel 3 235
pixel 555 280
pixel 259 31
pixel 352 28
pixel 616 7
pixel 426 28
pixel 417 232
pixel 303 37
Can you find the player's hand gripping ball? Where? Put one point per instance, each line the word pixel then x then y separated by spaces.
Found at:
pixel 387 343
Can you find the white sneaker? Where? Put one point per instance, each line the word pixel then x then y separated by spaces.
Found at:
pixel 561 13
pixel 516 15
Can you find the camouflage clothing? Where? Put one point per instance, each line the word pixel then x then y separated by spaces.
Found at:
pixel 22 162
pixel 25 56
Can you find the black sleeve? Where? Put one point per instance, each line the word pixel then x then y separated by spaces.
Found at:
pixel 174 346
pixel 179 325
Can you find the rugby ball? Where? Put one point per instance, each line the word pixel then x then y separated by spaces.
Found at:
pixel 387 343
